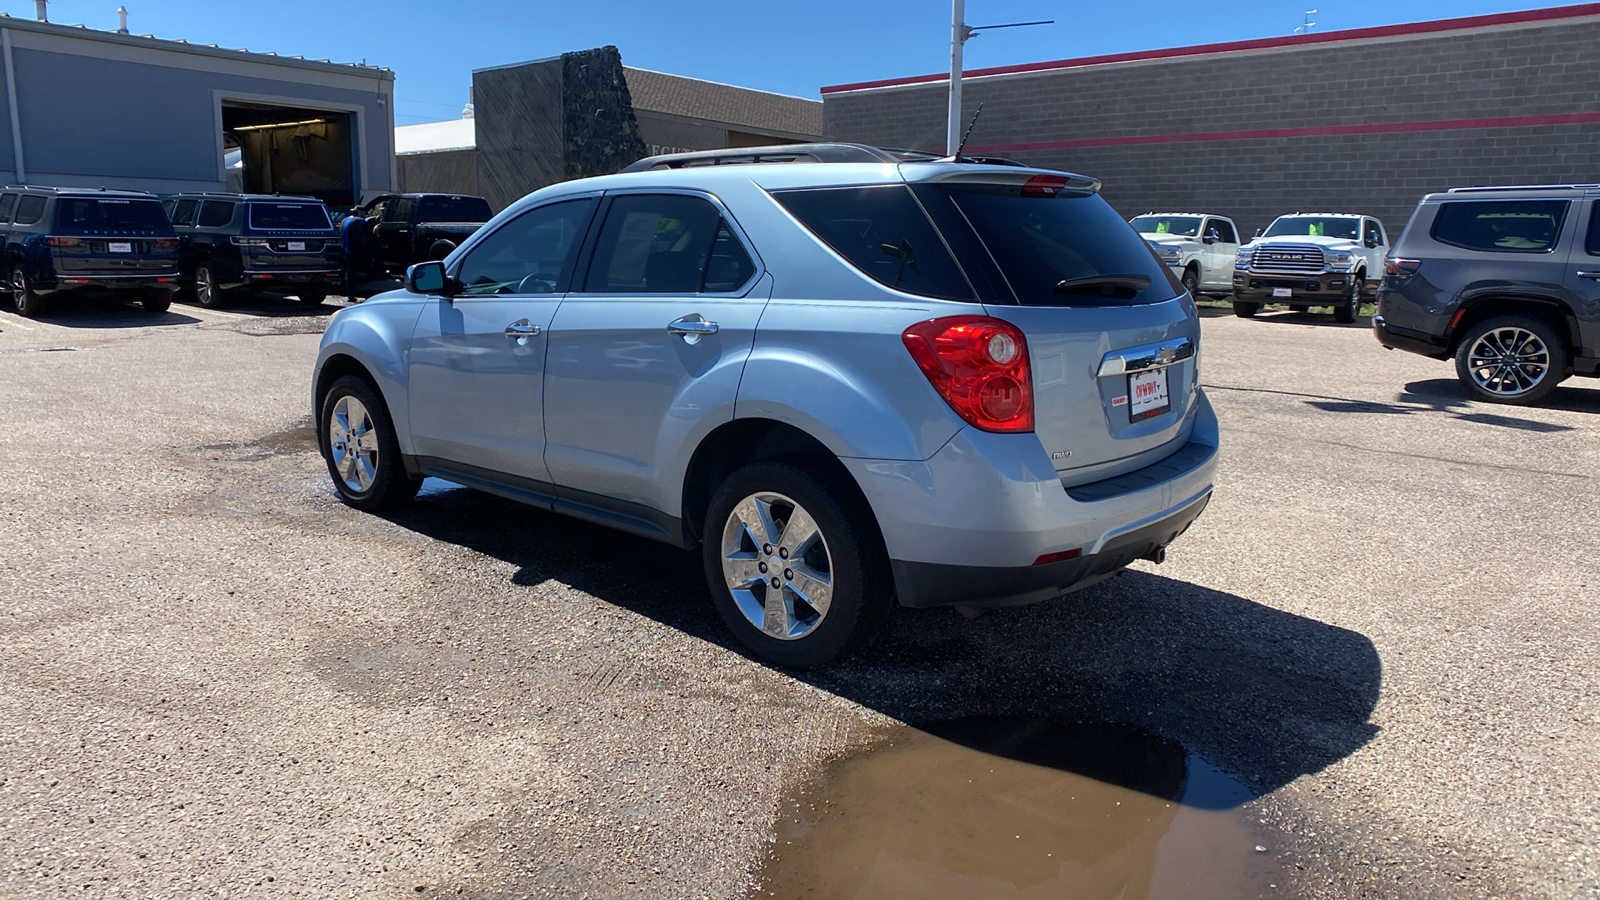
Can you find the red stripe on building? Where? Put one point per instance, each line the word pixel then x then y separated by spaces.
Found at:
pixel 1329 37
pixel 1314 131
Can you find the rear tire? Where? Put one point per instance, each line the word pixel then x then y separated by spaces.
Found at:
pixel 157 302
pixel 1245 310
pixel 28 304
pixel 313 296
pixel 207 292
pixel 1487 349
pixel 836 560
pixel 358 443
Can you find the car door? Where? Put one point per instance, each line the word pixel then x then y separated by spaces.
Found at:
pixel 476 358
pixel 394 231
pixel 1219 273
pixel 1375 246
pixel 646 356
pixel 1583 272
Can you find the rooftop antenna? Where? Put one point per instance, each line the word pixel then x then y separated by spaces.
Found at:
pixel 970 125
pixel 960 31
pixel 1305 27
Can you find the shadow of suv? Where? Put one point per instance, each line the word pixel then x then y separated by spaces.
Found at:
pixel 1506 281
pixel 64 240
pixel 256 243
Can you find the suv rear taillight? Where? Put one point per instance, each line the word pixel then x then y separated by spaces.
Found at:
pixel 167 243
pixel 63 242
pixel 979 366
pixel 1400 268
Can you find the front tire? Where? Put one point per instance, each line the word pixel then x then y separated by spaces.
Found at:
pixel 1511 359
pixel 1346 312
pixel 27 303
pixel 795 564
pixel 207 291
pixel 358 443
pixel 1245 310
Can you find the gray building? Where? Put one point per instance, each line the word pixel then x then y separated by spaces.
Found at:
pixel 584 113
pixel 102 108
pixel 1366 120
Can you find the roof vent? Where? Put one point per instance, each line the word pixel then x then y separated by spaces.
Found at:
pixel 122 20
pixel 39 11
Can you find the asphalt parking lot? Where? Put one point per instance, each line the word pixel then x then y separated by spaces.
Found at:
pixel 215 679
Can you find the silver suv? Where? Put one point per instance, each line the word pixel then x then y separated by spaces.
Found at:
pixel 849 376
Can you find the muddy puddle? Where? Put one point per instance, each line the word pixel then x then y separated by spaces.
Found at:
pixel 1008 808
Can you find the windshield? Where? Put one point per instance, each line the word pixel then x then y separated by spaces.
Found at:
pixel 1316 226
pixel 1066 249
pixel 95 214
pixel 302 216
pixel 1184 226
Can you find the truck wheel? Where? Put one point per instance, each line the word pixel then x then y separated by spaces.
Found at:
pixel 1511 359
pixel 207 292
pixel 358 442
pixel 28 304
pixel 1245 310
pixel 1346 312
pixel 796 567
pixel 313 295
pixel 1191 281
pixel 156 302
pixel 440 248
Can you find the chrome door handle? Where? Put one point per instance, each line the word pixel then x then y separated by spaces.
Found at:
pixel 521 330
pixel 692 328
pixel 1592 276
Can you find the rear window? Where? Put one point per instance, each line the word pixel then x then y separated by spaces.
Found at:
pixel 301 216
pixel 1069 249
pixel 883 232
pixel 1501 226
pixel 84 215
pixel 453 209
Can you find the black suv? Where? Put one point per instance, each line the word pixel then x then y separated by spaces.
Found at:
pixel 61 240
pixel 258 243
pixel 1506 280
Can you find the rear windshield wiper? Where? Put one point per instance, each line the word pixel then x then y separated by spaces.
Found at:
pixel 1131 283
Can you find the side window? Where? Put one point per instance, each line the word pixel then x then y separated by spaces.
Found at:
pixel 183 212
pixel 399 209
pixel 1501 226
pixel 215 213
pixel 531 254
pixel 884 233
pixel 1592 244
pixel 666 244
pixel 1225 232
pixel 1372 231
pixel 30 209
pixel 8 205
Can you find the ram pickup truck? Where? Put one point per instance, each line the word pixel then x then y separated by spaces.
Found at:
pixel 1197 247
pixel 1311 259
pixel 413 228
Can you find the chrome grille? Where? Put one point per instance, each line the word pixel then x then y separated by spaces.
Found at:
pixel 1296 258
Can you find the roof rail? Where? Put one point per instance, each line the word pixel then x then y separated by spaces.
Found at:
pixel 831 152
pixel 1488 188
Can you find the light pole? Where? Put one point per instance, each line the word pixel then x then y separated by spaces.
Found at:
pixel 960 31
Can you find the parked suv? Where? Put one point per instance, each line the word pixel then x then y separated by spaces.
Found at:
pixel 1311 259
pixel 63 240
pixel 256 243
pixel 1506 281
pixel 1198 247
pixel 884 376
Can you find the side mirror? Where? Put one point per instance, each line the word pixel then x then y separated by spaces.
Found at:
pixel 1371 242
pixel 427 278
pixel 1210 238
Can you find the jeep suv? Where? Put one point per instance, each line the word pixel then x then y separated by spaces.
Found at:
pixel 1200 248
pixel 59 241
pixel 1311 259
pixel 849 376
pixel 257 243
pixel 1506 281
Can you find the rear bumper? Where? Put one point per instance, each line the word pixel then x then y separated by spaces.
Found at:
pixel 267 278
pixel 1418 342
pixel 74 281
pixel 966 526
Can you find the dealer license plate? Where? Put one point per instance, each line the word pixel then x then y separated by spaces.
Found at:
pixel 120 247
pixel 1282 292
pixel 1147 395
pixel 297 245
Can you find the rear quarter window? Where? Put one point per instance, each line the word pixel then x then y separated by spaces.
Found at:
pixel 8 205
pixel 883 232
pixel 1501 226
pixel 215 213
pixel 30 209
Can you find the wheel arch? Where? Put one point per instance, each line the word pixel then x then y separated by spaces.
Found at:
pixel 339 364
pixel 1546 309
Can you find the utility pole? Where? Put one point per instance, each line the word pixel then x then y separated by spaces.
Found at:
pixel 960 32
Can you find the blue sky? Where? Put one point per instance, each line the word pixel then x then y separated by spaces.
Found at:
pixel 788 47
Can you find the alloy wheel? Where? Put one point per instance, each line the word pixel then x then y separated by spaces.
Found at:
pixel 1508 361
pixel 353 444
pixel 775 562
pixel 204 291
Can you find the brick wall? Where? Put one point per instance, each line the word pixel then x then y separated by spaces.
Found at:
pixel 1164 134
